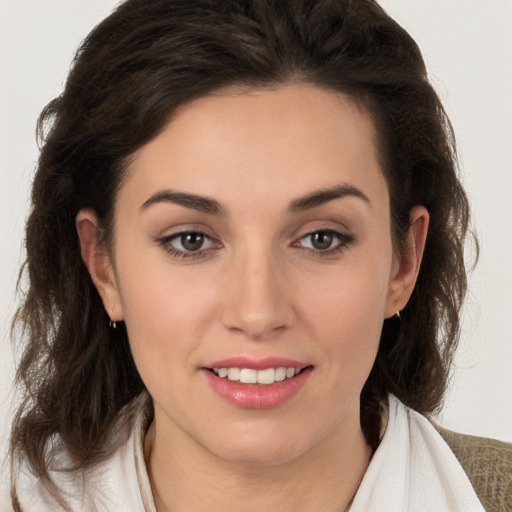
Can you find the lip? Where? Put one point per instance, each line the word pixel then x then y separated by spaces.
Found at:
pixel 257 363
pixel 257 396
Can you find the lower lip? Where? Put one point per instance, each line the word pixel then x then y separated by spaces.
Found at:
pixel 257 396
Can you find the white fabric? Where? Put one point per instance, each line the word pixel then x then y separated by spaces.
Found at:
pixel 110 486
pixel 413 470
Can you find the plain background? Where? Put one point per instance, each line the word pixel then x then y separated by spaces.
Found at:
pixel 468 48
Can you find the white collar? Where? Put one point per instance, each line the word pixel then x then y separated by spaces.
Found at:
pixel 413 469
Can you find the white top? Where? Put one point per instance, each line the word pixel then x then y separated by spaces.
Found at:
pixel 413 469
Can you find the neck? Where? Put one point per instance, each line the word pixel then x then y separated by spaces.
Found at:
pixel 185 476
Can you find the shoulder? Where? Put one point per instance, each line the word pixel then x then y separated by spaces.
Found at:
pixel 488 465
pixel 109 484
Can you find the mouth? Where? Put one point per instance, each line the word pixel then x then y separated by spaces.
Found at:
pixel 265 377
pixel 257 383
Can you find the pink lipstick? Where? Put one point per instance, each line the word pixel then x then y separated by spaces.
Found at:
pixel 257 383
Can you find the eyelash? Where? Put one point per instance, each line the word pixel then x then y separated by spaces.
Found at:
pixel 344 241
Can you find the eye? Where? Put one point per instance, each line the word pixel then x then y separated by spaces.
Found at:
pixel 187 243
pixel 190 241
pixel 325 240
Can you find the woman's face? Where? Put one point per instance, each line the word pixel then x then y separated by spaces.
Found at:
pixel 253 234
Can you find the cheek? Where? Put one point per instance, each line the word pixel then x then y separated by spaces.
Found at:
pixel 166 311
pixel 348 317
pixel 346 309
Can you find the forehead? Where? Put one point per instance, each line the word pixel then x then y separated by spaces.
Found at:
pixel 253 143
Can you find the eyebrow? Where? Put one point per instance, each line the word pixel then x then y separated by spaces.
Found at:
pixel 193 201
pixel 212 207
pixel 323 196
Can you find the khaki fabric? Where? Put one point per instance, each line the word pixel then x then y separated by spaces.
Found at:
pixel 488 465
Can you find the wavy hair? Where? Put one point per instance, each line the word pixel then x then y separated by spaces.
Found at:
pixel 127 79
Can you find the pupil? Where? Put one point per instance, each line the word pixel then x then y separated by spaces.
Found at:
pixel 192 241
pixel 322 240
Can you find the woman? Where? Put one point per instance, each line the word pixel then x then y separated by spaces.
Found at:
pixel 244 256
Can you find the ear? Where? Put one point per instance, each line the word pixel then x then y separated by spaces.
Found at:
pixel 407 264
pixel 98 262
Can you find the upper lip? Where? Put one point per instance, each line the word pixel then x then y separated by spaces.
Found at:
pixel 257 363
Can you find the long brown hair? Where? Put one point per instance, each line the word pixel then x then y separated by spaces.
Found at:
pixel 128 77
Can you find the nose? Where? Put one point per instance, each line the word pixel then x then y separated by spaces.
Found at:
pixel 257 301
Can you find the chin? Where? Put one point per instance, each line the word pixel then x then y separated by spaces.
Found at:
pixel 258 456
pixel 254 446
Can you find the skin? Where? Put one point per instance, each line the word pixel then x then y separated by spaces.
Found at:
pixel 258 287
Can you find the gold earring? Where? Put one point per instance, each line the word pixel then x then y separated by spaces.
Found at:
pixel 397 314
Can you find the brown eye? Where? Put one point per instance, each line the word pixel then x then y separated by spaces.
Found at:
pixel 322 240
pixel 325 241
pixel 188 242
pixel 192 241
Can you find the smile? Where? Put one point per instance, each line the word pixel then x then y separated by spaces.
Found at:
pixel 267 376
pixel 257 384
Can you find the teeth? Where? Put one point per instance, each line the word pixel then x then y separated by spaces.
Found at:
pixel 266 376
pixel 280 374
pixel 250 376
pixel 233 374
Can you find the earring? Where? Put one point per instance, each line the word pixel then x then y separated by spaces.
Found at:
pixel 397 314
pixel 112 323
